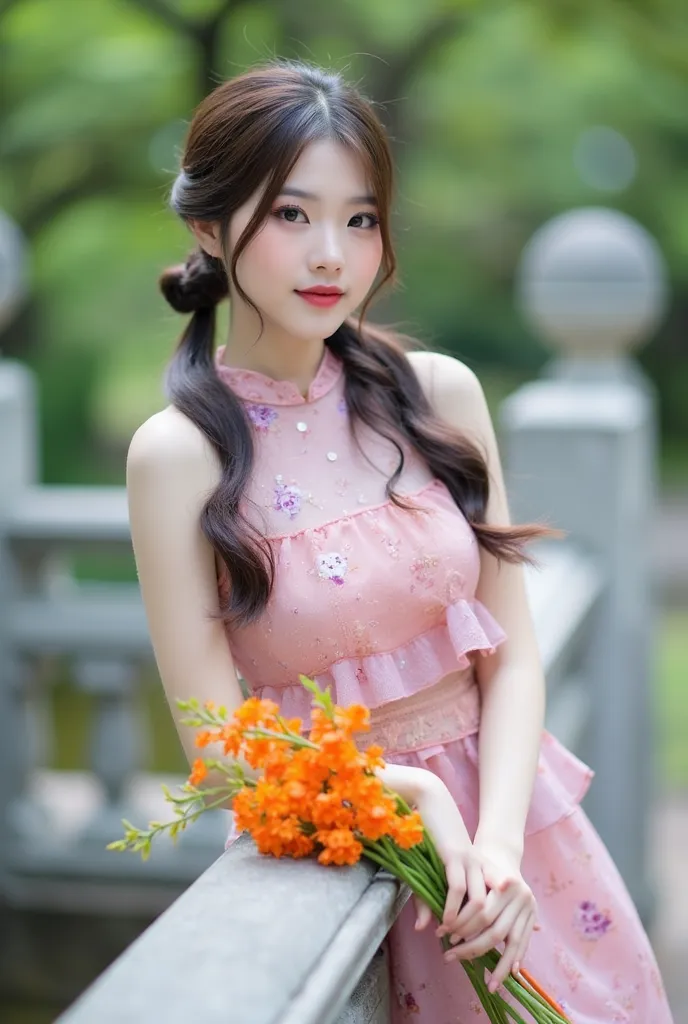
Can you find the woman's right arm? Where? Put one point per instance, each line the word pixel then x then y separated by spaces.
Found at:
pixel 171 471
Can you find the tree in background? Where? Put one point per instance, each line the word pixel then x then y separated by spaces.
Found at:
pixel 501 115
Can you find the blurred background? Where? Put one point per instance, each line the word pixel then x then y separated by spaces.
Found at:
pixel 502 116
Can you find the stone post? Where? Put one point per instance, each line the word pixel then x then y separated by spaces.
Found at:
pixel 580 451
pixel 18 469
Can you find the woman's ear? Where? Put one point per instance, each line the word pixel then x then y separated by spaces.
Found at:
pixel 207 233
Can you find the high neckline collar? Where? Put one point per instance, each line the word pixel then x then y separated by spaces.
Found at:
pixel 253 386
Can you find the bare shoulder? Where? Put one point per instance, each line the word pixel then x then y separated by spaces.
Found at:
pixel 170 444
pixel 165 435
pixel 452 388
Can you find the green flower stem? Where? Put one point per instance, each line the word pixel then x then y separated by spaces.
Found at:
pixel 380 856
pixel 418 880
pixel 187 797
pixel 415 857
pixel 483 995
pixel 146 836
pixel 506 1008
pixel 434 855
pixel 541 1011
pixel 534 1001
pixel 401 803
pixel 293 738
pixel 425 863
pixel 393 859
pixel 517 988
pixel 509 1010
pixel 429 885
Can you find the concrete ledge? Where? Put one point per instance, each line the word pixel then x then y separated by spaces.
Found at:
pixel 254 941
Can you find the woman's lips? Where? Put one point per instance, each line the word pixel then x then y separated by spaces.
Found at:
pixel 319 299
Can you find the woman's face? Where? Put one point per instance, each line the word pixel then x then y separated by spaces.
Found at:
pixel 322 230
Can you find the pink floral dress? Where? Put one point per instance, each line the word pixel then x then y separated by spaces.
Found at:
pixel 378 602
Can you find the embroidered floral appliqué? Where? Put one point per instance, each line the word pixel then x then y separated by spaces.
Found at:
pixel 423 571
pixel 590 922
pixel 287 498
pixel 333 566
pixel 261 416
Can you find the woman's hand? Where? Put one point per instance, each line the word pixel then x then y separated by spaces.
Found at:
pixel 443 821
pixel 508 914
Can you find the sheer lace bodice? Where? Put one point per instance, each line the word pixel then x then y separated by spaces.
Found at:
pixel 376 599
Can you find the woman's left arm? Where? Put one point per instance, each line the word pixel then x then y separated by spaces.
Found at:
pixel 511 680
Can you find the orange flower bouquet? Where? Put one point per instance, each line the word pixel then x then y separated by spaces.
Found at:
pixel 319 794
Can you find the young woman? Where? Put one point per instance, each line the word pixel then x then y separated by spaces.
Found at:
pixel 319 499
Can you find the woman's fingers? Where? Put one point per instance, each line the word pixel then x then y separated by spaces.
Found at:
pixel 423 913
pixel 525 940
pixel 477 900
pixel 514 943
pixel 486 940
pixel 456 880
pixel 484 916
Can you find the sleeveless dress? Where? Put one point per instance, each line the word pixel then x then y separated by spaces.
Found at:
pixel 378 602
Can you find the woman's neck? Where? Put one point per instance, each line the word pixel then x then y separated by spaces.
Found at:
pixel 275 354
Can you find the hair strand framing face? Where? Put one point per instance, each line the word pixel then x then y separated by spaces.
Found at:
pixel 253 129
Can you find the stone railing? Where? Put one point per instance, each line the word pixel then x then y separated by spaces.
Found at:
pixel 286 942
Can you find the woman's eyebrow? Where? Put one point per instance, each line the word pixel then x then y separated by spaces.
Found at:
pixel 300 194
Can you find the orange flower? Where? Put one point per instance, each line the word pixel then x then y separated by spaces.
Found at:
pixel 256 752
pixel 321 724
pixel 327 797
pixel 328 810
pixel 377 820
pixel 355 718
pixel 340 752
pixel 407 830
pixel 230 735
pixel 278 763
pixel 324 798
pixel 199 772
pixel 293 725
pixel 373 757
pixel 310 767
pixel 340 846
pixel 247 813
pixel 294 845
pixel 255 711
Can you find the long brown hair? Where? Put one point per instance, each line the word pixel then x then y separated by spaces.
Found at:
pixel 252 129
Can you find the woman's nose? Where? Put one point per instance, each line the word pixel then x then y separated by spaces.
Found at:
pixel 328 253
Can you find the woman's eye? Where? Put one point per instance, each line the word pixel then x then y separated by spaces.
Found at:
pixel 290 213
pixel 373 220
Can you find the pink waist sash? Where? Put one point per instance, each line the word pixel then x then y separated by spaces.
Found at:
pixel 447 711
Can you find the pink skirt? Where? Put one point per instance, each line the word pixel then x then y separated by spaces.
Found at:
pixel 591 952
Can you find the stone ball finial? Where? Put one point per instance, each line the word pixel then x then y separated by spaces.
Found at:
pixel 14 273
pixel 592 283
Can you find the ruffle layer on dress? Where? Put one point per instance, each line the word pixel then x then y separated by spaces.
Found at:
pixel 561 782
pixel 562 779
pixel 376 679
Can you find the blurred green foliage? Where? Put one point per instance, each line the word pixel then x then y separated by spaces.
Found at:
pixel 670 698
pixel 486 103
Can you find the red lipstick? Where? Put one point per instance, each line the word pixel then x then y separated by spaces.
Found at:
pixel 322 295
